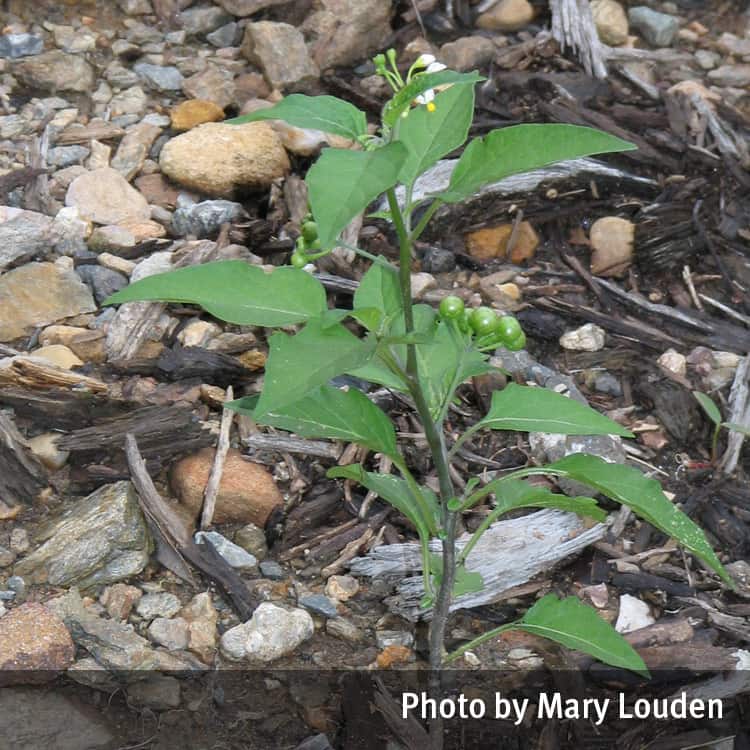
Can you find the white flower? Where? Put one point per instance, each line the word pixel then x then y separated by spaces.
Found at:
pixel 435 67
pixel 426 98
pixel 424 60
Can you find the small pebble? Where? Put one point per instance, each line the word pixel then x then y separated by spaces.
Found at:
pixel 319 604
pixel 271 569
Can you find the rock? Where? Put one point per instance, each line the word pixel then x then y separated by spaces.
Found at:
pixel 707 59
pixel 7 558
pixel 31 719
pixel 658 29
pixel 492 242
pixel 467 53
pixel 159 692
pixel 40 293
pixel 731 75
pixel 23 235
pixel 612 242
pixel 733 45
pixel 202 20
pixel 344 629
pixel 101 539
pixel 157 190
pixel 343 32
pixel 236 556
pixel 272 632
pixel 131 101
pixel 205 219
pixel 438 260
pixel 86 344
pixel 189 114
pixel 421 283
pixel 247 493
pixel 316 742
pixel 506 15
pixel 33 638
pixel 201 617
pixel 217 159
pixel 605 382
pixel 253 539
pixel 611 21
pixel 302 141
pixel 73 40
pixel 119 600
pixel 633 615
pixel 55 71
pixel 58 355
pixel 112 238
pixel 20 45
pixel 158 77
pixel 66 156
pixel 342 588
pixel 160 604
pixel 391 655
pixel 134 148
pixel 103 282
pixel 214 84
pixel 319 604
pixel 136 7
pixel 386 638
pixel 198 332
pixel 247 7
pixel 105 197
pixel 44 447
pixel 272 570
pixel 170 633
pixel 279 50
pixel 228 35
pixel 19 540
pixel 673 361
pixel 587 338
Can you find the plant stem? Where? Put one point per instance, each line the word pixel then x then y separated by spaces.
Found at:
pixel 480 639
pixel 424 221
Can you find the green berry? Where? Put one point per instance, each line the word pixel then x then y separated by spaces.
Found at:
pixel 508 328
pixel 310 231
pixel 517 343
pixel 451 308
pixel 298 259
pixel 482 320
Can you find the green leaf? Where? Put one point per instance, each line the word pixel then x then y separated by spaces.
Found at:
pixel 577 626
pixel 342 183
pixel 376 371
pixel 235 291
pixel 332 413
pixel 396 492
pixel 465 581
pixel 736 428
pixel 708 406
pixel 326 113
pixel 512 494
pixel 519 148
pixel 630 487
pixel 299 364
pixel 531 409
pixel 419 84
pixel 431 135
pixel 379 289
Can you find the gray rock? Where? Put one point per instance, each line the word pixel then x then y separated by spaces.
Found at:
pixel 24 236
pixel 247 7
pixel 215 84
pixel 438 260
pixel 111 239
pixel 272 570
pixel 134 148
pixel 607 383
pixel 12 126
pixel 227 35
pixel 279 50
pixel 161 78
pixel 253 539
pixel 202 20
pixel 317 742
pixel 731 75
pixel 102 281
pixel 344 629
pixel 320 604
pixel 7 557
pixel 120 76
pixel 160 604
pixel 385 638
pixel 100 539
pixel 17 585
pixel 20 45
pixel 233 554
pixel 205 219
pixel 170 633
pixel 66 156
pixel 160 692
pixel 31 718
pixel 658 29
pixel 55 71
pixel 136 7
pixel 271 633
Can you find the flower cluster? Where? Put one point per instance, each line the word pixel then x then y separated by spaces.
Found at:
pixel 385 65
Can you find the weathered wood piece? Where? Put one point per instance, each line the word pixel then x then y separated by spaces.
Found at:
pixel 739 405
pixel 33 372
pixel 214 478
pixel 21 476
pixel 573 27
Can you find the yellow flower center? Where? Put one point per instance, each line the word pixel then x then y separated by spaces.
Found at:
pixel 430 106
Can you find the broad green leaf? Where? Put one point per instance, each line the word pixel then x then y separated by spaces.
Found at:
pixel 464 581
pixel 326 113
pixel 396 492
pixel 630 487
pixel 380 289
pixel 736 428
pixel 235 291
pixel 574 625
pixel 520 148
pixel 531 409
pixel 302 363
pixel 376 371
pixel 342 183
pixel 401 102
pixel 431 135
pixel 512 494
pixel 332 413
pixel 708 406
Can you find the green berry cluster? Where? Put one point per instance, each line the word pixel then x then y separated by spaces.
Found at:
pixel 307 247
pixel 489 329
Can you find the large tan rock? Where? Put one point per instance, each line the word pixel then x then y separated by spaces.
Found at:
pixel 216 159
pixel 59 355
pixel 33 638
pixel 507 15
pixel 104 196
pixel 611 21
pixel 247 493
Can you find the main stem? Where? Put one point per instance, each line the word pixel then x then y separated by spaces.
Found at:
pixel 436 440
